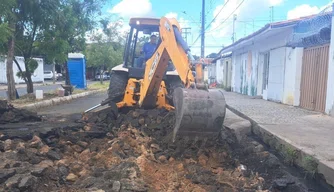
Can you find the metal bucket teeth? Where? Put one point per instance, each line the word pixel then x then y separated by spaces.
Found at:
pixel 199 113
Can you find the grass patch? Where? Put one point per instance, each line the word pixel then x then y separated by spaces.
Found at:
pixel 31 98
pixel 290 155
pixel 310 165
pixel 98 85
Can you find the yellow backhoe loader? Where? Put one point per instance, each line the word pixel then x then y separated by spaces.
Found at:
pixel 169 79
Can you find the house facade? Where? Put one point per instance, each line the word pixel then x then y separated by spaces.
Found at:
pixel 262 63
pixel 223 70
pixel 280 65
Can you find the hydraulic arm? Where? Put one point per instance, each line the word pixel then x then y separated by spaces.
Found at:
pixel 199 112
pixel 172 47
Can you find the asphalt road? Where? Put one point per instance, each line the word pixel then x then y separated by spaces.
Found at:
pixel 45 88
pixel 76 106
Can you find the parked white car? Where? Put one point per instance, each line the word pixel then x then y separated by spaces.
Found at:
pixel 105 76
pixel 48 75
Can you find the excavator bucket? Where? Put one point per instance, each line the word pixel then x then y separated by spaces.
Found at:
pixel 199 113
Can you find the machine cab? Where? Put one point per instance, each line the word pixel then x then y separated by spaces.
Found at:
pixel 140 32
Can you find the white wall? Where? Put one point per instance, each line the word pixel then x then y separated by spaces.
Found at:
pixel 220 71
pixel 284 69
pixel 236 73
pixel 276 75
pixel 227 65
pixel 254 87
pixel 211 72
pixel 38 75
pixel 260 73
pixel 330 85
pixel 206 74
pixel 293 67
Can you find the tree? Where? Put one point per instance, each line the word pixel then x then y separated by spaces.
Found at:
pixel 107 50
pixel 74 19
pixel 212 55
pixel 7 41
pixel 33 18
pixel 196 57
pixel 52 29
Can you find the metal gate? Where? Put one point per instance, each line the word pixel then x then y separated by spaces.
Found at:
pixel 314 78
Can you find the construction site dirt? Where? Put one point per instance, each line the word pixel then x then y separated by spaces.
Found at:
pixel 134 153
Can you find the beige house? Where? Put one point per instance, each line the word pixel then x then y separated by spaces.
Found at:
pixel 223 70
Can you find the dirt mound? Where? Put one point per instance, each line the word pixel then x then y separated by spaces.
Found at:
pixel 9 114
pixel 134 153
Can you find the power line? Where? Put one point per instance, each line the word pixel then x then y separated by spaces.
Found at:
pixel 211 22
pixel 216 15
pixel 228 16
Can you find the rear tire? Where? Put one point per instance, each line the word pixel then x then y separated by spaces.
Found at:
pixel 117 86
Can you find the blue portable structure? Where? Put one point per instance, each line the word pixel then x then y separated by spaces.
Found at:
pixel 77 70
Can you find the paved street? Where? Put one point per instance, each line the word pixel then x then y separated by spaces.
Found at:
pixel 22 90
pixel 76 106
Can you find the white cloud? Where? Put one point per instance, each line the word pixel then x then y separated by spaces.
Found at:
pixel 132 8
pixel 305 10
pixel 246 10
pixel 220 31
pixel 183 22
pixel 171 15
pixel 275 2
pixel 302 10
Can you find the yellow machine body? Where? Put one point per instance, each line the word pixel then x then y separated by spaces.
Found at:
pixel 199 111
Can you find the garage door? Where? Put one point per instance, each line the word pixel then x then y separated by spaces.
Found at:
pixel 314 78
pixel 276 75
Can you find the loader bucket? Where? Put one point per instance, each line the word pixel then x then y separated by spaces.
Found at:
pixel 199 113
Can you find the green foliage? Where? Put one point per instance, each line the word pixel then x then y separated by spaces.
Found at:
pixel 32 66
pixel 103 55
pixel 4 32
pixel 310 165
pixel 107 49
pixel 290 155
pixel 5 16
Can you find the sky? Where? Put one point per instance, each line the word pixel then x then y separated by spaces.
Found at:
pixel 251 15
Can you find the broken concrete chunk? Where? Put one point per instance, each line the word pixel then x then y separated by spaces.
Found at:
pixel 36 142
pixel 13 181
pixel 116 186
pixel 26 183
pixel 7 145
pixel 71 177
pixel 82 144
pixel 137 185
pixel 5 174
pixel 38 171
pixel 162 159
pixel 53 155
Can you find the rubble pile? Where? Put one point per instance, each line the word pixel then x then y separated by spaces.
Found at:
pixel 9 114
pixel 132 153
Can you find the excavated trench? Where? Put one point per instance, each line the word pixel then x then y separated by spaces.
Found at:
pixel 135 153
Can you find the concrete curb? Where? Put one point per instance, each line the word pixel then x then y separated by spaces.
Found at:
pixel 282 145
pixel 58 100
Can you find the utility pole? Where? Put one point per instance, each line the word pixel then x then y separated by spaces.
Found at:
pixel 233 35
pixel 186 32
pixel 202 30
pixel 272 13
pixel 245 28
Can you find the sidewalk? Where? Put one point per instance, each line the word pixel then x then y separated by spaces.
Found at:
pixel 23 85
pixel 310 134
